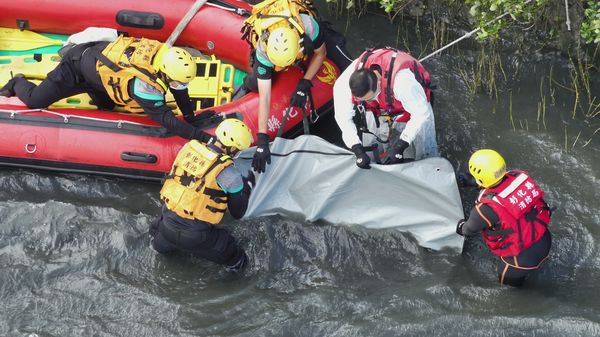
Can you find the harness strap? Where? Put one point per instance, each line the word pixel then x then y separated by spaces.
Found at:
pixel 215 210
pixel 500 232
pixel 389 97
pixel 364 59
pixel 153 77
pixel 520 231
pixel 289 19
pixel 105 60
pixel 360 120
pixel 216 195
pixel 115 68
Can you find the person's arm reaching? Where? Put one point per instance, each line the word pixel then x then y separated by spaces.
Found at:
pixel 481 217
pixel 153 103
pixel 315 63
pixel 182 98
pixel 237 188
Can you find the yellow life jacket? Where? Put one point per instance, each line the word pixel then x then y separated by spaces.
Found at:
pixel 272 14
pixel 191 190
pixel 132 57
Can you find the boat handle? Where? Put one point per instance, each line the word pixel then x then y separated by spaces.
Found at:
pixel 139 157
pixel 30 148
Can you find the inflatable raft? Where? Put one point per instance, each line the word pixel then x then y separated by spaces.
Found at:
pixel 72 135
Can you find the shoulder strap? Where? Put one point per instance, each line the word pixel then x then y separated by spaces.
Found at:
pixel 104 60
pixel 389 97
pixel 364 58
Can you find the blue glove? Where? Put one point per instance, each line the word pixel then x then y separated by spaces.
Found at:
pixel 362 159
pixel 302 91
pixel 262 156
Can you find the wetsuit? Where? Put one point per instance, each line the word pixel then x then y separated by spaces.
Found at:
pixel 172 232
pixel 512 270
pixel 76 73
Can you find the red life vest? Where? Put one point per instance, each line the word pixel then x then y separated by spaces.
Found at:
pixel 523 213
pixel 391 61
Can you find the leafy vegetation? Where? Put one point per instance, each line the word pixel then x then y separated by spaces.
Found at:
pixel 590 28
pixel 486 13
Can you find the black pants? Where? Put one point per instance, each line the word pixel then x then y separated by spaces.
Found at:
pixel 65 80
pixel 172 233
pixel 513 270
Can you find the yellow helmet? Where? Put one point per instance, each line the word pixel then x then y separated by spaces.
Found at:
pixel 487 166
pixel 233 132
pixel 283 45
pixel 177 63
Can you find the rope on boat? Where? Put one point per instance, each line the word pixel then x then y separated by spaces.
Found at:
pixel 66 117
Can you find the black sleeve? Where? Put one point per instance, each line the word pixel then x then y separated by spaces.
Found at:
pixel 238 202
pixel 182 98
pixel 160 112
pixel 481 217
pixel 320 39
pixel 263 72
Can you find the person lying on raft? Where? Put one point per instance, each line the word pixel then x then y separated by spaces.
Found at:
pixel 132 73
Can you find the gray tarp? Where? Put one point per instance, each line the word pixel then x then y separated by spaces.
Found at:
pixel 419 197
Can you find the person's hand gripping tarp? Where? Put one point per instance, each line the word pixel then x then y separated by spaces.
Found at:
pixel 262 156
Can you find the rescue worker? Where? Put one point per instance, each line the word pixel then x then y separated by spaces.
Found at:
pixel 281 34
pixel 132 73
pixel 512 216
pixel 385 90
pixel 202 185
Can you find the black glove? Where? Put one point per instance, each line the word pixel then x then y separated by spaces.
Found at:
pixel 459 227
pixel 193 118
pixel 362 159
pixel 190 118
pixel 262 156
pixel 250 180
pixel 397 153
pixel 202 136
pixel 302 91
pixel 465 179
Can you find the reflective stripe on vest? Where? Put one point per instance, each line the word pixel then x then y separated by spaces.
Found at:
pixel 134 57
pixel 523 214
pixel 191 190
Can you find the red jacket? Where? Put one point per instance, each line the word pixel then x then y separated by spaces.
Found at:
pixel 523 213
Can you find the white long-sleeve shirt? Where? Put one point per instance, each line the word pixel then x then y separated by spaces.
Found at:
pixel 419 129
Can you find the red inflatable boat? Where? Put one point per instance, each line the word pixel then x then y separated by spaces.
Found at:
pixel 114 143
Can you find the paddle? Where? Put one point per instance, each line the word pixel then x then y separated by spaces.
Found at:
pixel 184 22
pixel 12 39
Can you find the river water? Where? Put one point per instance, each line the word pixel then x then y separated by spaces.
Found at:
pixel 75 261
